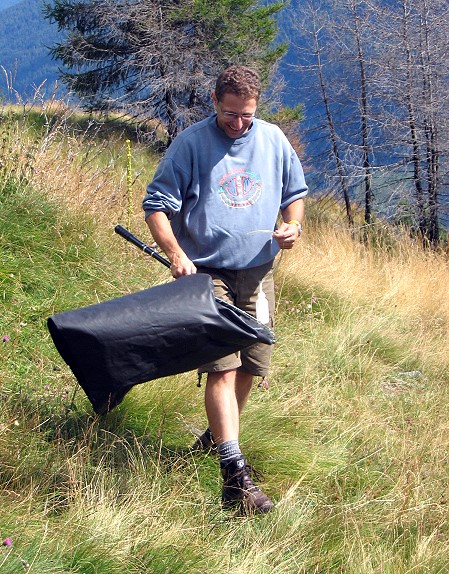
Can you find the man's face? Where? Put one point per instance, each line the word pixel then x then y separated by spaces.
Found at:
pixel 234 114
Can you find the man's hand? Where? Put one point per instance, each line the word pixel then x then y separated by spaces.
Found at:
pixel 163 235
pixel 286 235
pixel 181 265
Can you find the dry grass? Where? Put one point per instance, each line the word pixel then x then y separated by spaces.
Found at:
pixel 77 159
pixel 402 288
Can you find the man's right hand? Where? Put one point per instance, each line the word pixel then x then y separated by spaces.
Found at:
pixel 181 265
pixel 163 235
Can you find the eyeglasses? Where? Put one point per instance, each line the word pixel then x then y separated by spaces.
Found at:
pixel 233 116
pixel 247 117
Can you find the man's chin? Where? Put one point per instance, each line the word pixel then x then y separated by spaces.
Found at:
pixel 234 134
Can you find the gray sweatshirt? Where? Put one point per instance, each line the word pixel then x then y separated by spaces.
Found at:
pixel 223 195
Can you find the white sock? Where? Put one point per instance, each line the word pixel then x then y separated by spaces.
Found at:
pixel 229 450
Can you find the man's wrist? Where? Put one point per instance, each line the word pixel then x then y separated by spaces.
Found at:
pixel 295 222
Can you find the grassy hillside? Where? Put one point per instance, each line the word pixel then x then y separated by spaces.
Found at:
pixel 351 436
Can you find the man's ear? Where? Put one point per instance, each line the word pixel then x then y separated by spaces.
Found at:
pixel 214 98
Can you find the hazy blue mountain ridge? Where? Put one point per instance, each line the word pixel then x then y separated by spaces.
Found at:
pixel 25 38
pixel 7 3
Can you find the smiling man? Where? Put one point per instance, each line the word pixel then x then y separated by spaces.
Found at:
pixel 234 123
pixel 212 207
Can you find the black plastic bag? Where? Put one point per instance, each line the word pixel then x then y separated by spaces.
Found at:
pixel 161 331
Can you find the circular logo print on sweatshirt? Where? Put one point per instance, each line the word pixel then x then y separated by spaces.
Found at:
pixel 240 188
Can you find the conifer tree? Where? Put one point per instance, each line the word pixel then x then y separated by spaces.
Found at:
pixel 156 59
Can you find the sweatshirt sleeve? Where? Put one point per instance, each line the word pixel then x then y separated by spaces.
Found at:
pixel 164 192
pixel 294 181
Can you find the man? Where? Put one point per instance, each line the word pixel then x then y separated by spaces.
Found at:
pixel 212 208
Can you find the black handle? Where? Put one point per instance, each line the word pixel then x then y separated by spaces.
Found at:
pixel 140 244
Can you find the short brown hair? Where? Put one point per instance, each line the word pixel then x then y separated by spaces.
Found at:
pixel 238 80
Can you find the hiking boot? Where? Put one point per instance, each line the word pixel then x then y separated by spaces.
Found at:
pixel 239 489
pixel 205 442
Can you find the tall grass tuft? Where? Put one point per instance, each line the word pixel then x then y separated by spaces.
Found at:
pixel 351 436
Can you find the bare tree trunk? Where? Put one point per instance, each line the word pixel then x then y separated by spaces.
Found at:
pixel 331 126
pixel 416 155
pixel 430 130
pixel 364 118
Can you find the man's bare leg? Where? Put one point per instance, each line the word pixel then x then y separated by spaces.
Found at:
pixel 222 406
pixel 226 395
pixel 243 386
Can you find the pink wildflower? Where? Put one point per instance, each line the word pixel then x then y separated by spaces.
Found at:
pixel 5 338
pixel 7 542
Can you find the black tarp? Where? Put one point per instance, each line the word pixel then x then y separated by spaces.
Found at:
pixel 161 331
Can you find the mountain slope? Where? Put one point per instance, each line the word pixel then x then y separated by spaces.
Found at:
pixel 25 37
pixel 7 3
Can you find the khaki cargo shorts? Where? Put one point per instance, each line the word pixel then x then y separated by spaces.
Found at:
pixel 240 288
